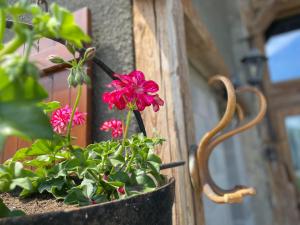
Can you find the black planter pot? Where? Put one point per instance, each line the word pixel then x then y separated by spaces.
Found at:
pixel 153 208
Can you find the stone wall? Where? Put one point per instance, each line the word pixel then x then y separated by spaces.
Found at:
pixel 113 38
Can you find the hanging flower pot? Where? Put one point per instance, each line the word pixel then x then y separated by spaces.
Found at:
pixel 153 208
pixel 117 181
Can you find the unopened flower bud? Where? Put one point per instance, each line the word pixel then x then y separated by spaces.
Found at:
pixel 78 77
pixel 89 53
pixel 55 59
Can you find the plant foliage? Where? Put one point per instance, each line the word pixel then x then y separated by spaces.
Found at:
pixel 84 176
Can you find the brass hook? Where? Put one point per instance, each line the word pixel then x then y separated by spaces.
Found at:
pixel 210 141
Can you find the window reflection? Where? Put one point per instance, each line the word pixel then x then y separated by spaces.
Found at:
pixel 283 52
pixel 292 124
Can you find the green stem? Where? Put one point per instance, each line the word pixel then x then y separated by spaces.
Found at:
pixel 2 26
pixel 129 163
pixel 28 49
pixel 128 118
pixel 11 46
pixel 72 115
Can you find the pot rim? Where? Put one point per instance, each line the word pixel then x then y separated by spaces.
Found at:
pixel 170 182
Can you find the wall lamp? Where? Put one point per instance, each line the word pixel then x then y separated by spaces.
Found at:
pixel 253 63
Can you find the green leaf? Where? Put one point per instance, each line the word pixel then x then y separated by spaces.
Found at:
pixel 76 196
pixel 88 187
pixel 62 24
pixel 119 176
pixel 49 107
pixel 26 89
pixel 145 180
pixel 20 154
pixel 51 184
pixel 154 158
pixel 18 168
pixel 6 212
pixel 4 185
pixel 40 147
pixel 117 160
pixel 3 4
pixel 24 183
pixel 25 120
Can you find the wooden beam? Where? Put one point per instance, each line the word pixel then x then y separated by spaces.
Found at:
pixel 202 51
pixel 160 52
pixel 271 11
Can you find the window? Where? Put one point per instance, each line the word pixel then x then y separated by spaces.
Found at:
pixel 283 49
pixel 292 125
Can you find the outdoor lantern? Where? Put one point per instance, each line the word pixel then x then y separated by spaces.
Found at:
pixel 254 63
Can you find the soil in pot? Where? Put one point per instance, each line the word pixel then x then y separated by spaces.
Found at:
pixel 35 204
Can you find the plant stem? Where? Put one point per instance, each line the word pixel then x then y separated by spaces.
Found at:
pixel 129 163
pixel 2 26
pixel 128 118
pixel 72 115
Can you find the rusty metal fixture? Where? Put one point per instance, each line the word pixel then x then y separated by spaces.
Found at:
pixel 198 164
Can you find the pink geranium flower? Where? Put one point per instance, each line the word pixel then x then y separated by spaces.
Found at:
pixel 60 119
pixel 115 126
pixel 79 118
pixel 133 90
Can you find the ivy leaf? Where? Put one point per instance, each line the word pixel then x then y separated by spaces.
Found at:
pixel 40 147
pixel 119 176
pixel 23 182
pixel 6 212
pixel 76 196
pixel 51 184
pixel 88 187
pixel 145 180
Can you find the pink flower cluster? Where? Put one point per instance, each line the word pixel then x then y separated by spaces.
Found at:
pixel 133 90
pixel 60 119
pixel 115 126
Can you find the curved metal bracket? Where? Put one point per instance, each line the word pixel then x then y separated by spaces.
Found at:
pixel 198 162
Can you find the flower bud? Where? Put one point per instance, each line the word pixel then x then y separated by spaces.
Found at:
pixel 79 77
pixel 71 81
pixel 89 53
pixel 86 79
pixel 55 59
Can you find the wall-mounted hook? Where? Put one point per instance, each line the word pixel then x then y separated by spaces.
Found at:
pixel 199 158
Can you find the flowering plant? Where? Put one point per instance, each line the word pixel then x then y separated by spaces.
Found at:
pixel 82 175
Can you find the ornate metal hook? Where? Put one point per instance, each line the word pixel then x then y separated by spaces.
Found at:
pixel 198 164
